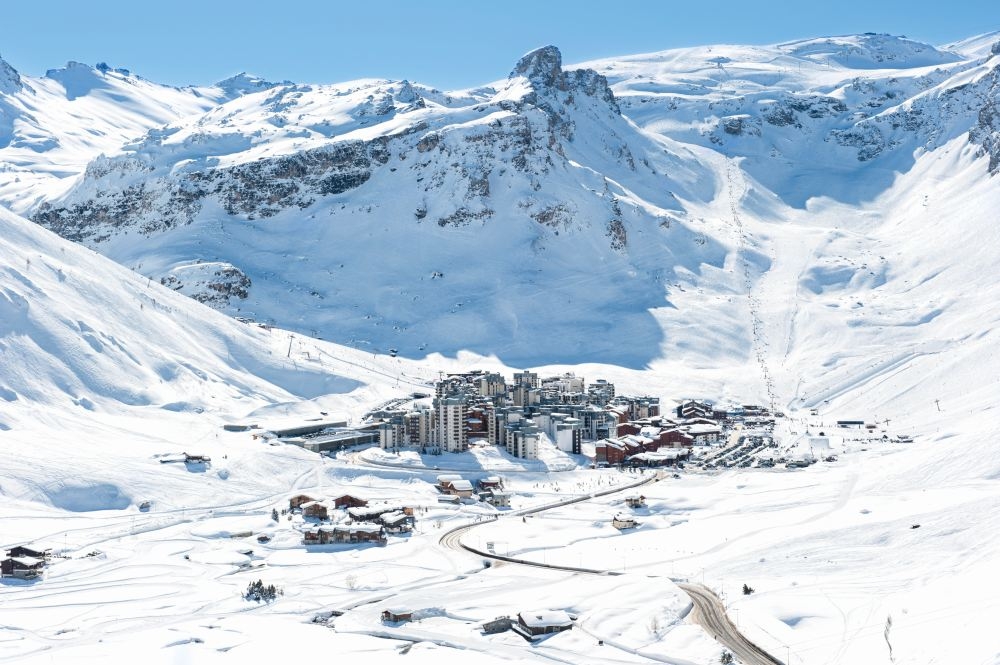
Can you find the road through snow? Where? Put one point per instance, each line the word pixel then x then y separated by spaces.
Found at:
pixel 708 611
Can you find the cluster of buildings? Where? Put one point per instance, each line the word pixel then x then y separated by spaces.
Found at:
pixel 481 406
pixel 532 626
pixel 454 488
pixel 361 521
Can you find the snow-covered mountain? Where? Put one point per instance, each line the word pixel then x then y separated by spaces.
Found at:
pixel 656 210
pixel 81 334
pixel 52 126
pixel 835 117
pixel 520 205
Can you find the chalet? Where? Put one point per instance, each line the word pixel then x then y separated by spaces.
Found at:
pixel 319 510
pixel 498 499
pixel 24 550
pixel 22 567
pixel 397 522
pixel 316 536
pixel 694 409
pixel 851 423
pixel 534 625
pixel 344 533
pixel 662 457
pixel 699 421
pixel 462 488
pixel 622 522
pixel 673 438
pixel 498 625
pixel 635 443
pixel 196 459
pixel 610 452
pixel 635 501
pixel 396 615
pixel 349 501
pixel 490 482
pixel 449 498
pixel 455 485
pixel 296 501
pixel 359 533
pixel 373 512
pixel 628 428
pixel 445 480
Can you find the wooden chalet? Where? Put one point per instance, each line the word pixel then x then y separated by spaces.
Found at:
pixel 661 457
pixel 673 438
pixel 610 452
pixel 349 501
pixel 397 522
pixel 344 533
pixel 534 625
pixel 359 533
pixel 456 486
pixel 695 409
pixel 22 567
pixel 396 615
pixel 296 501
pixel 445 480
pixel 490 483
pixel 319 510
pixel 373 512
pixel 24 550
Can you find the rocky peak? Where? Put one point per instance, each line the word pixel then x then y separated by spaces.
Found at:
pixel 245 84
pixel 543 67
pixel 10 80
pixel 995 49
pixel 406 94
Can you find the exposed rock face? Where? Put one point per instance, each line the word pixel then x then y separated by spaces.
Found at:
pixel 255 189
pixel 212 283
pixel 986 132
pixel 133 193
pixel 10 80
pixel 543 67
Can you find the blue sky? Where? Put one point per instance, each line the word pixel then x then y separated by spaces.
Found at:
pixel 446 43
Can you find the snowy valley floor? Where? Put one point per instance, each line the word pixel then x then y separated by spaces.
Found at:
pixel 839 571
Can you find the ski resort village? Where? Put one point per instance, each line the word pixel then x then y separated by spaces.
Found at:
pixel 683 357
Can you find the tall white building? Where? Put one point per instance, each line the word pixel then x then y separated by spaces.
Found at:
pixel 451 420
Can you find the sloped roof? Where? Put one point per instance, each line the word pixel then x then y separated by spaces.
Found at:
pixel 543 618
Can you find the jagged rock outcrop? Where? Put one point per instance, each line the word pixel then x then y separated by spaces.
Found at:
pixel 986 131
pixel 10 80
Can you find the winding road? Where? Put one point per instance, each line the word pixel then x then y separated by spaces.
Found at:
pixel 708 610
